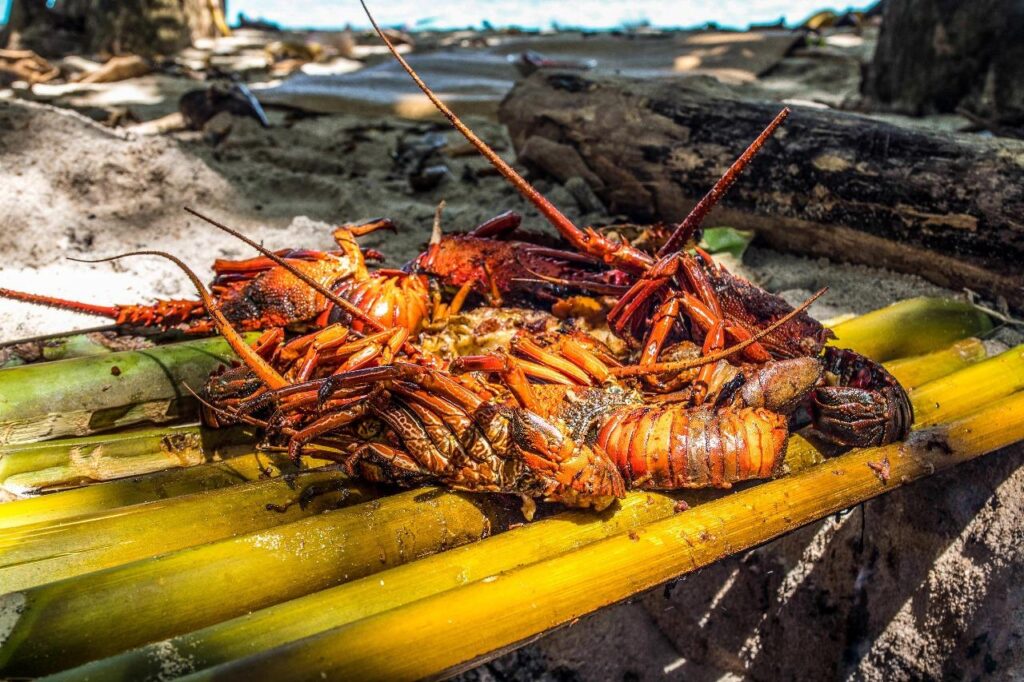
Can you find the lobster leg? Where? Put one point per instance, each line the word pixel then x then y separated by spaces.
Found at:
pixel 384 464
pixel 323 425
pixel 522 345
pixel 360 229
pixel 444 312
pixel 315 344
pixel 513 373
pixel 413 434
pixel 706 311
pixel 498 225
pixel 713 340
pixel 632 302
pixel 429 380
pixel 569 362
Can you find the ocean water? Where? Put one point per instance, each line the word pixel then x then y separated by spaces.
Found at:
pixel 534 14
pixel 530 14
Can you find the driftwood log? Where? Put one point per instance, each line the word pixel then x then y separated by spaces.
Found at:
pixel 829 183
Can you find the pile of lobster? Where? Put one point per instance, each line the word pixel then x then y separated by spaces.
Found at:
pixel 657 369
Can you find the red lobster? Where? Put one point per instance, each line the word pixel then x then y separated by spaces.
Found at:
pixel 290 288
pixel 578 440
pixel 497 261
pixel 689 297
pixel 465 434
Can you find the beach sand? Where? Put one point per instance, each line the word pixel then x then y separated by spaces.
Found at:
pixel 923 582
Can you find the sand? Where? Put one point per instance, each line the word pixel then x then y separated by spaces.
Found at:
pixel 96 192
pixel 924 582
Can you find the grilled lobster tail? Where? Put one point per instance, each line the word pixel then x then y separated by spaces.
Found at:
pixel 677 447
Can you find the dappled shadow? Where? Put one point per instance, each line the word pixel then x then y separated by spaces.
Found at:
pixel 900 584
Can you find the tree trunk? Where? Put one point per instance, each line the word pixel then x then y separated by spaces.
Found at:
pixel 829 183
pixel 109 27
pixel 947 55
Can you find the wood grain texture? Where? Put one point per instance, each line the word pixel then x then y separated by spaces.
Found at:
pixel 830 183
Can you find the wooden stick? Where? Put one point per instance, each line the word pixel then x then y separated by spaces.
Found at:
pixel 92 394
pixel 72 462
pixel 66 623
pixel 446 632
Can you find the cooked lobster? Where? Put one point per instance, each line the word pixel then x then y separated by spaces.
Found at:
pixel 289 288
pixel 678 295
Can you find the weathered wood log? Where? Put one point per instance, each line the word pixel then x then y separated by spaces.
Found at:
pixel 829 183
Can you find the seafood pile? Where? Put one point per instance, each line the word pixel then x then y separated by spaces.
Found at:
pixel 566 369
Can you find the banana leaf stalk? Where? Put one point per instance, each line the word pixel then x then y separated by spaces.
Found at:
pixel 72 462
pixel 50 348
pixel 920 369
pixel 321 611
pixel 86 395
pixel 911 327
pixel 65 623
pixel 972 387
pixel 372 594
pixel 149 488
pixel 44 552
pixel 449 630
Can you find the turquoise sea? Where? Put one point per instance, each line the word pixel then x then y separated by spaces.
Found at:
pixel 530 14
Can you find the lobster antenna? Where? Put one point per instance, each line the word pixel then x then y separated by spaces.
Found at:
pixel 57 335
pixel 657 367
pixel 61 303
pixel 253 361
pixel 547 209
pixel 347 306
pixel 686 230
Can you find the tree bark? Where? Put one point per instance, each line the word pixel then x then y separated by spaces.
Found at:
pixel 829 183
pixel 947 55
pixel 110 27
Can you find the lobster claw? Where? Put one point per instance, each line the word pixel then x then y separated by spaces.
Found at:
pixel 866 407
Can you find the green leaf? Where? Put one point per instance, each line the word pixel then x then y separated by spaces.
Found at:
pixel 726 240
